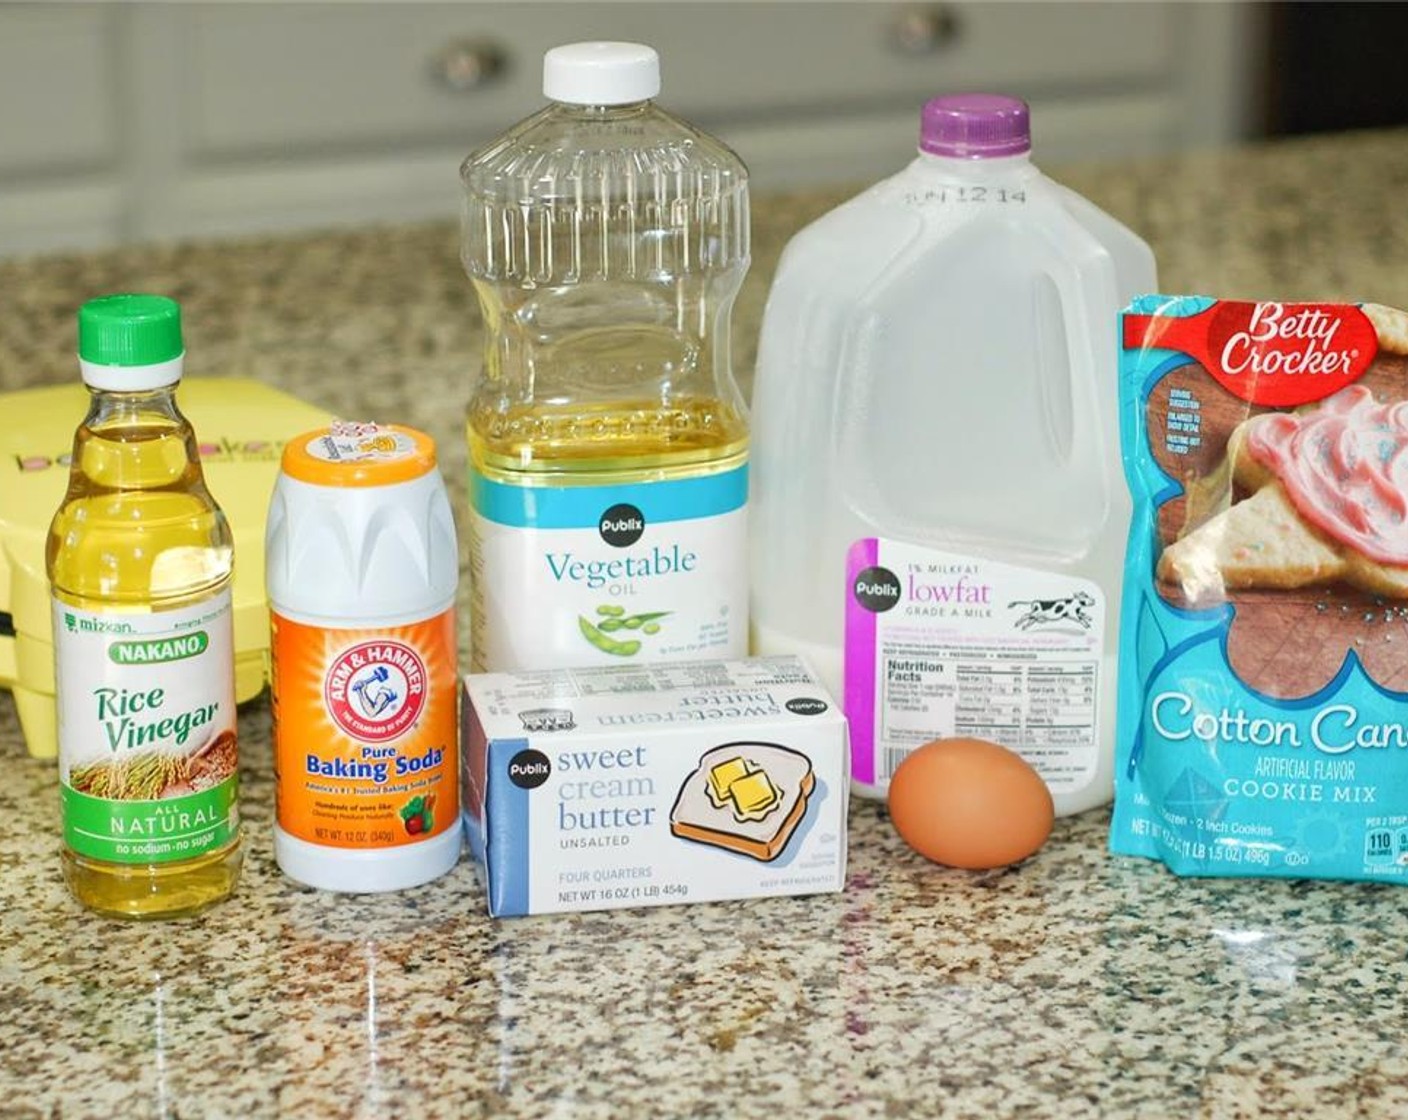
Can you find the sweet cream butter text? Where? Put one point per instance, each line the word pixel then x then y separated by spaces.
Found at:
pixel 604 802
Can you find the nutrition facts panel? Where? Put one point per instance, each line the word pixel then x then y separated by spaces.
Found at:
pixel 939 645
pixel 1041 703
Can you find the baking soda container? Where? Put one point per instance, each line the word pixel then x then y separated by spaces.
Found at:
pixel 362 567
pixel 140 559
pixel 606 240
pixel 939 514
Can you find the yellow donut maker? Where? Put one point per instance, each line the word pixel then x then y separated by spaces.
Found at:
pixel 241 425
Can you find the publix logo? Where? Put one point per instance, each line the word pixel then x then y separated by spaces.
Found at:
pixel 621 525
pixel 876 589
pixel 375 691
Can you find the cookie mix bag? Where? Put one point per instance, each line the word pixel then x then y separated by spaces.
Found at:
pixel 1263 707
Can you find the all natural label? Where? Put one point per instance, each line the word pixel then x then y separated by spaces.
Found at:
pixel 148 762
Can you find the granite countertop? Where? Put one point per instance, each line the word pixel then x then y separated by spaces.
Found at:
pixel 1075 985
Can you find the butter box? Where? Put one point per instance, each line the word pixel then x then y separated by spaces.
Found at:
pixel 605 788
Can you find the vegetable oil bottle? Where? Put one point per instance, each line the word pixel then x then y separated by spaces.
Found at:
pixel 606 241
pixel 140 560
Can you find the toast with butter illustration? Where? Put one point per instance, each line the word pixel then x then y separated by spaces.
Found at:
pixel 744 797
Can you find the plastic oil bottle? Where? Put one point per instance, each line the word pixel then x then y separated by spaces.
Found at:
pixel 606 240
pixel 140 561
pixel 939 512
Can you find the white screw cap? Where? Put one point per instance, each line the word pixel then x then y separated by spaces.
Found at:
pixel 601 73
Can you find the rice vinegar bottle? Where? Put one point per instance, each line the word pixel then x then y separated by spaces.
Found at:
pixel 606 240
pixel 140 560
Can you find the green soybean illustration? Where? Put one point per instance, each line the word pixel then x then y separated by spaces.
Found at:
pixel 604 643
pixel 612 617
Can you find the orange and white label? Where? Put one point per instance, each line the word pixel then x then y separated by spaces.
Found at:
pixel 365 740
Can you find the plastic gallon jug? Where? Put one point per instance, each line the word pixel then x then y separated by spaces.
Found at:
pixel 606 240
pixel 939 514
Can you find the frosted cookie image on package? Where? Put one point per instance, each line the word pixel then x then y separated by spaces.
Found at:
pixel 1327 493
pixel 1287 429
pixel 746 798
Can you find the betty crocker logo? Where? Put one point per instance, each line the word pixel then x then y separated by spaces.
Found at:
pixel 1275 354
pixel 375 691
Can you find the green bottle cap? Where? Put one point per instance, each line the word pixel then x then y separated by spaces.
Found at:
pixel 129 330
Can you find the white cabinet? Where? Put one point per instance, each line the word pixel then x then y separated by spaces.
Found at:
pixel 158 121
pixel 60 127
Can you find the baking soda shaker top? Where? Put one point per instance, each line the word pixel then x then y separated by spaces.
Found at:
pixel 362 567
pixel 939 512
pixel 606 240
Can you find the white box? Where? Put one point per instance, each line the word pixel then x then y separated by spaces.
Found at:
pixel 595 789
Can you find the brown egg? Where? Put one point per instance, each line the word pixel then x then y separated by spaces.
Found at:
pixel 970 803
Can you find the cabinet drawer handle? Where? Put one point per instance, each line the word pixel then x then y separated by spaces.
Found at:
pixel 917 29
pixel 469 64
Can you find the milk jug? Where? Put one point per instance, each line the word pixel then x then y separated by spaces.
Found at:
pixel 939 513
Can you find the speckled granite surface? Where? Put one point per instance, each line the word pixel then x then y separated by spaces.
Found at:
pixel 1075 985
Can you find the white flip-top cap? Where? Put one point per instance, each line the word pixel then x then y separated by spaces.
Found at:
pixel 601 73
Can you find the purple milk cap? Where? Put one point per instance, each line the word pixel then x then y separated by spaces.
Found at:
pixel 975 126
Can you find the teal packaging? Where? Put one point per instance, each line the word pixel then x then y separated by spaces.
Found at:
pixel 1263 676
